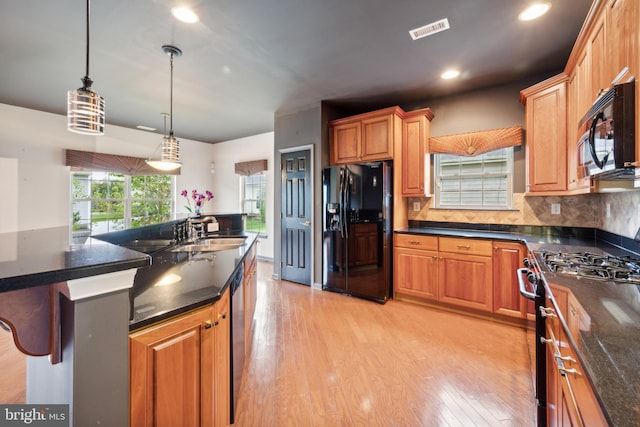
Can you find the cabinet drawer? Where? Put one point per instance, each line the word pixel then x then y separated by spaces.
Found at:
pixel 465 246
pixel 416 241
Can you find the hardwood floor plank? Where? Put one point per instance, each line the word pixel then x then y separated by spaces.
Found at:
pixel 325 359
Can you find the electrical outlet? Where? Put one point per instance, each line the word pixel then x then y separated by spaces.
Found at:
pixel 416 206
pixel 555 208
pixel 608 210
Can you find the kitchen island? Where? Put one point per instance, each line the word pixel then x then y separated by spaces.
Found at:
pixel 607 342
pixel 67 305
pixel 92 294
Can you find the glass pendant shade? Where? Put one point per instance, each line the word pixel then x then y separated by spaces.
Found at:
pixel 85 112
pixel 85 108
pixel 170 157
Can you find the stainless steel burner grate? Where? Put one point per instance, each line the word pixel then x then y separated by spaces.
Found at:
pixel 593 266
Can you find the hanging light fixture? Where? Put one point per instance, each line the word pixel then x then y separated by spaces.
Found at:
pixel 85 108
pixel 170 156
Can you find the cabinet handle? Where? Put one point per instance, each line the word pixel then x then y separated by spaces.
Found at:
pixel 574 371
pixel 208 324
pixel 414 242
pixel 566 358
pixel 544 340
pixel 464 247
pixel 434 257
pixel 222 316
pixel 547 312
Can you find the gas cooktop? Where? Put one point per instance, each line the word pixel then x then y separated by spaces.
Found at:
pixel 592 266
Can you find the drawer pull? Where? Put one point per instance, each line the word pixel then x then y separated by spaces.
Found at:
pixel 464 247
pixel 414 242
pixel 574 371
pixel 566 359
pixel 547 312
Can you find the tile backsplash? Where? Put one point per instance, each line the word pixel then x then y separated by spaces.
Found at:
pixel 589 210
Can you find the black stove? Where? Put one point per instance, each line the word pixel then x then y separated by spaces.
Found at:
pixel 623 269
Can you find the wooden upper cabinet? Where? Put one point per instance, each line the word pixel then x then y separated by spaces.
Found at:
pixel 415 135
pixel 598 60
pixel 622 38
pixel 365 137
pixel 546 135
pixel 377 138
pixel 345 143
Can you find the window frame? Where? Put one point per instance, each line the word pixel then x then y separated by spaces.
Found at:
pixel 127 201
pixel 508 175
pixel 263 201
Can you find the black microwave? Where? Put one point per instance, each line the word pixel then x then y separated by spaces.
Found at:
pixel 606 146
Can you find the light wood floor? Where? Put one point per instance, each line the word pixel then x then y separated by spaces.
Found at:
pixel 323 359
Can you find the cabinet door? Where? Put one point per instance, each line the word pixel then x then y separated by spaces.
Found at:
pixel 507 258
pixel 623 37
pixel 416 273
pixel 466 280
pixel 547 139
pixel 345 144
pixel 414 142
pixel 222 362
pixel 377 138
pixel 363 243
pixel 598 60
pixel 165 371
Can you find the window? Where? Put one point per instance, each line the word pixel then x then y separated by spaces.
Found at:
pixel 254 191
pixel 109 201
pixel 476 182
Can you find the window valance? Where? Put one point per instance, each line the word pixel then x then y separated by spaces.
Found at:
pixel 476 143
pixel 251 168
pixel 126 165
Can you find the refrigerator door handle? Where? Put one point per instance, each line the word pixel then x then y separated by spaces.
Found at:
pixel 347 201
pixel 340 211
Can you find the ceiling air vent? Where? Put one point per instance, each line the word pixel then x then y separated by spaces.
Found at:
pixel 430 29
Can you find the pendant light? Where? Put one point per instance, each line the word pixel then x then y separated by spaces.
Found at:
pixel 170 156
pixel 85 108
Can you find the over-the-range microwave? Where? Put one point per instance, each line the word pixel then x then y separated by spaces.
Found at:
pixel 606 146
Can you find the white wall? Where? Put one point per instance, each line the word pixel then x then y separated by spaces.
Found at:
pixel 226 184
pixel 35 181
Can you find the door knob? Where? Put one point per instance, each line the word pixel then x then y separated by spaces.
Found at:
pixel 307 223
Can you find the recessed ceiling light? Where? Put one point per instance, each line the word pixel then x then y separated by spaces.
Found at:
pixel 534 11
pixel 450 74
pixel 142 127
pixel 184 14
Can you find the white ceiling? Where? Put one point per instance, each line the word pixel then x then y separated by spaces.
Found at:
pixel 248 59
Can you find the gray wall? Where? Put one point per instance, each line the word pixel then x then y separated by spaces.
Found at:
pixel 300 128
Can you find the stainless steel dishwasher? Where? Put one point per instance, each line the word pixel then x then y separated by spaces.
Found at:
pixel 237 337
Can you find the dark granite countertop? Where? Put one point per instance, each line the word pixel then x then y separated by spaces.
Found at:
pixel 177 282
pixel 610 349
pixel 44 256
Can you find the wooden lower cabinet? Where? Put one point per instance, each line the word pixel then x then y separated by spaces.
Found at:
pixel 180 370
pixel 250 296
pixel 507 258
pixel 415 266
pixel 416 272
pixel 570 397
pixel 465 280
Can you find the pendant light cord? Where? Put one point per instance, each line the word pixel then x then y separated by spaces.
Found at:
pixel 171 98
pixel 86 80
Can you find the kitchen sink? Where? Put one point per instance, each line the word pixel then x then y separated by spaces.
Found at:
pixel 211 244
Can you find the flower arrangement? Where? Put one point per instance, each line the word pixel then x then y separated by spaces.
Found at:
pixel 199 199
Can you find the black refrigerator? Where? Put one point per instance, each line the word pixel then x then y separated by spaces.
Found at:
pixel 357 225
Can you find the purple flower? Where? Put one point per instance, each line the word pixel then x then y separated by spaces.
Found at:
pixel 199 199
